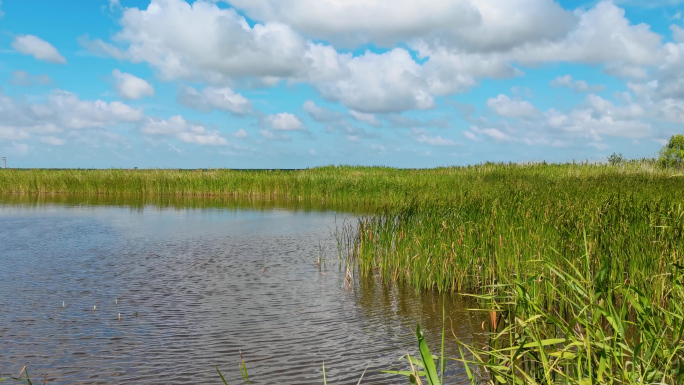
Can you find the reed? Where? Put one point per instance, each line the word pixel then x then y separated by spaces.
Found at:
pixel 589 254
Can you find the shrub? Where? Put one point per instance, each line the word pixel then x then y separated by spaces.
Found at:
pixel 672 155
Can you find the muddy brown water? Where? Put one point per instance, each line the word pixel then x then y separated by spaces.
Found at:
pixel 194 286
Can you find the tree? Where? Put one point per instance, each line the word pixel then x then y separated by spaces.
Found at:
pixel 672 155
pixel 616 159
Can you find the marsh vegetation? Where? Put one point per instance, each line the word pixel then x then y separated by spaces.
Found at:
pixel 580 266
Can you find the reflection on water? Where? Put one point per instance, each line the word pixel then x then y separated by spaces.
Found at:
pixel 192 287
pixel 180 202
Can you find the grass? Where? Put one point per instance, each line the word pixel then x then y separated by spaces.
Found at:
pixel 584 337
pixel 580 265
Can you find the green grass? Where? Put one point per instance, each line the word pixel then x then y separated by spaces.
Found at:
pixel 590 254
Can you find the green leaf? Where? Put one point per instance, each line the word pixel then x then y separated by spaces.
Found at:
pixel 426 357
pixel 221 375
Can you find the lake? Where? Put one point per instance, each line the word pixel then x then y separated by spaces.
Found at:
pixel 137 292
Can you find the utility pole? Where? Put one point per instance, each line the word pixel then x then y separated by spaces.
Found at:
pixel 4 162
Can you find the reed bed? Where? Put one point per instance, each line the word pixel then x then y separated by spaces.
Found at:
pixel 581 265
pixel 357 185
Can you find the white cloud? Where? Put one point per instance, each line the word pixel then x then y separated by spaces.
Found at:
pixel 12 133
pixel 100 48
pixel 677 33
pixel 379 148
pixel 241 134
pixel 589 122
pixel 471 135
pixel 662 93
pixel 435 140
pixel 576 85
pixel 78 114
pixel 61 111
pixel 51 140
pixel 387 82
pixel 201 41
pixel 651 3
pixel 599 145
pixel 18 149
pixel 23 78
pixel 397 120
pixel 370 119
pixel 321 114
pixel 457 42
pixel 183 130
pixel 493 133
pixel 131 87
pixel 273 136
pixel 38 48
pixel 505 106
pixel 284 121
pixel 349 130
pixel 487 24
pixel 506 24
pixel 210 98
pixel 354 21
pixel 603 26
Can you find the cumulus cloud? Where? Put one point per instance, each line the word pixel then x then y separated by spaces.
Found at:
pixel 471 135
pixel 604 25
pixel 350 131
pixel 369 119
pixel 590 122
pixel 23 78
pixel 434 140
pixel 454 45
pixel 204 42
pixel 131 87
pixel 38 48
pixel 61 111
pixel 53 141
pixel 321 114
pixel 576 85
pixel 241 134
pixel 274 136
pixel 18 149
pixel 183 130
pixel 397 120
pixel 677 33
pixel 492 133
pixel 387 82
pixel 661 94
pixel 284 121
pixel 509 108
pixel 210 98
pixel 484 24
pixel 12 133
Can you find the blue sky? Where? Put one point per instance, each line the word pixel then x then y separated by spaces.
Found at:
pixel 303 83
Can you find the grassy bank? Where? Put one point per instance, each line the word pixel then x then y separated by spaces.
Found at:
pixel 589 257
pixel 360 185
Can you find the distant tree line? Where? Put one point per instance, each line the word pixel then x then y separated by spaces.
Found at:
pixel 670 156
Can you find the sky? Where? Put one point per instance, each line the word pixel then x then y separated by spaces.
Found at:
pixel 305 83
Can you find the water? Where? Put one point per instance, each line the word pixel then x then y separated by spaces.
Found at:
pixel 192 288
